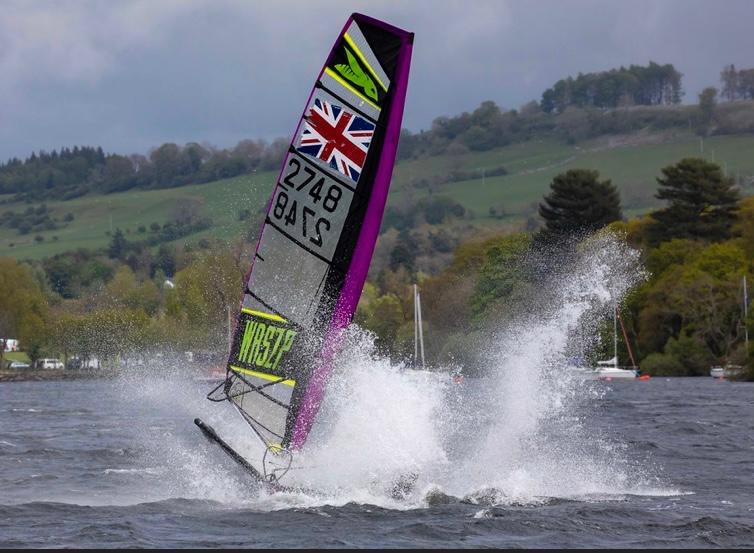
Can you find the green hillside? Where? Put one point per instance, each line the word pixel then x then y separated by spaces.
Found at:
pixel 632 163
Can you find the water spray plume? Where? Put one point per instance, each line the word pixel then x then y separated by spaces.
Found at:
pixel 521 433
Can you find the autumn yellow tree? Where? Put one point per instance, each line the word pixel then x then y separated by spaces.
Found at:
pixel 23 308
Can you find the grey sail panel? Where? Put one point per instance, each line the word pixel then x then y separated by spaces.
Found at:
pixel 313 222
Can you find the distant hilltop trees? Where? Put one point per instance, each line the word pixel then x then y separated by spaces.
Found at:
pixel 76 171
pixel 737 84
pixel 572 110
pixel 652 85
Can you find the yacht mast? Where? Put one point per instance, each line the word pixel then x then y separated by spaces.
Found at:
pixel 746 316
pixel 418 331
pixel 615 335
pixel 421 330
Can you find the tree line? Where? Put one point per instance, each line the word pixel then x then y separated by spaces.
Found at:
pixel 572 109
pixel 685 317
pixel 737 84
pixel 73 172
pixel 637 85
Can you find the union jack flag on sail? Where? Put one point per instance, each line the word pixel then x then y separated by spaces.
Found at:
pixel 336 136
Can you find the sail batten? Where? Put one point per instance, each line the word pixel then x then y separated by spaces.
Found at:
pixel 319 233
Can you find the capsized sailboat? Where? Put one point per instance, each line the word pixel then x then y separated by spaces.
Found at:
pixel 316 243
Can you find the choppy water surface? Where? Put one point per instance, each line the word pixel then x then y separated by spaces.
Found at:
pixel 107 463
pixel 531 455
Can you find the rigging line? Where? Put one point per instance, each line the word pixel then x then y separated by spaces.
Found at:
pixel 271 383
pixel 625 337
pixel 215 389
pixel 249 418
pixel 263 394
pixel 241 394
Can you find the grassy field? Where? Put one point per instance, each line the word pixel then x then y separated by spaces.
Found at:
pixel 633 166
pixel 95 217
pixel 16 356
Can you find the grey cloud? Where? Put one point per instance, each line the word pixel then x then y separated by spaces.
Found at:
pixel 130 75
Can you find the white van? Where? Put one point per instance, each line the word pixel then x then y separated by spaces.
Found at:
pixel 48 364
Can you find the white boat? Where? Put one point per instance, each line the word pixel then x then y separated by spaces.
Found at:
pixel 609 369
pixel 728 371
pixel 717 372
pixel 733 371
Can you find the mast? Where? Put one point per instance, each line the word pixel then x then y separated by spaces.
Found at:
pixel 746 316
pixel 615 334
pixel 418 330
pixel 625 337
pixel 421 330
pixel 320 230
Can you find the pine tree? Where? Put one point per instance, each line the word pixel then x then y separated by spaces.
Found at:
pixel 702 203
pixel 118 245
pixel 579 202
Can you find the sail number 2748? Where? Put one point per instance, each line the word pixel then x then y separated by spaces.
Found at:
pixel 310 206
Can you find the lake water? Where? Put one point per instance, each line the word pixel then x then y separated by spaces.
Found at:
pixel 119 463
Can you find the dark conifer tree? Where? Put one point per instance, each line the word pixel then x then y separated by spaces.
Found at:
pixel 578 203
pixel 702 203
pixel 118 245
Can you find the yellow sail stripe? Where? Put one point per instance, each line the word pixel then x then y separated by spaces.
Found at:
pixel 338 78
pixel 269 316
pixel 263 376
pixel 352 44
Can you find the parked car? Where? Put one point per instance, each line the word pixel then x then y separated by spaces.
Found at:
pixel 49 364
pixel 18 365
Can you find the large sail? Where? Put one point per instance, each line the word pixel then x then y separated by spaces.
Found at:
pixel 320 230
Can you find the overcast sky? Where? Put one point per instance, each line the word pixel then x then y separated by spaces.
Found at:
pixel 130 75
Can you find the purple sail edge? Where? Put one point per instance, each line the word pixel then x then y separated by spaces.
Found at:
pixel 359 267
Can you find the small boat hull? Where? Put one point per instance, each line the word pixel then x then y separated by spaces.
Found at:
pixel 615 374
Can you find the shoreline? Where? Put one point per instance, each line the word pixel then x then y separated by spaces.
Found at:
pixel 27 375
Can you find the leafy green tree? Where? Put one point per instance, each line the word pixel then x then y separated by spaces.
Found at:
pixel 439 208
pixel 204 290
pixel 110 332
pixel 165 260
pixel 502 273
pixel 385 319
pixel 674 252
pixel 124 291
pixel 692 353
pixel 579 202
pixel 405 251
pixel 745 226
pixel 23 307
pixel 692 309
pixel 661 364
pixel 702 203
